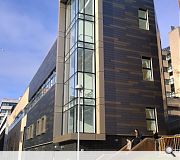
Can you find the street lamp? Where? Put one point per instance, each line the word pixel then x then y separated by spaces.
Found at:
pixel 79 88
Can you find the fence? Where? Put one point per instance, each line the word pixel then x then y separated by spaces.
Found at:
pixel 171 141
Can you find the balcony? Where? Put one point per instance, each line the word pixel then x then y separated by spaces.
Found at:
pixel 168 88
pixel 165 63
pixel 166 75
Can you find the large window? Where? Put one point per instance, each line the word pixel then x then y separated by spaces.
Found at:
pixel 79 66
pixel 151 119
pixel 147 69
pixel 46 86
pixel 143 19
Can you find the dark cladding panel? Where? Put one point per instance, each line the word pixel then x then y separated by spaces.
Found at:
pixel 126 93
pixel 13 138
pixel 44 107
pixel 44 71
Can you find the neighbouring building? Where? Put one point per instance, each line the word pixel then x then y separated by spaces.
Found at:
pixel 171 70
pixel 111 49
pixel 16 123
pixel 171 63
pixel 174 42
pixel 173 115
pixel 6 108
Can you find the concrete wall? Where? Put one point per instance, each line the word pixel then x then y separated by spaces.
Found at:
pixel 19 107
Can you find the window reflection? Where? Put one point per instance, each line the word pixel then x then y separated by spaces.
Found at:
pixel 89 61
pixel 151 119
pixel 89 31
pixel 89 119
pixel 89 7
pixel 143 19
pixel 147 69
pixel 50 81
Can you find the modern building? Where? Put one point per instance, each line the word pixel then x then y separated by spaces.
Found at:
pixel 111 49
pixel 6 108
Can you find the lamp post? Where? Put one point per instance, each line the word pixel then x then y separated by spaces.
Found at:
pixel 79 88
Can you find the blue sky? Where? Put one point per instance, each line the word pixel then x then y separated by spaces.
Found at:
pixel 28 28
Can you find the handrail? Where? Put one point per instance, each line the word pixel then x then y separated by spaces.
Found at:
pixel 147 144
pixel 170 141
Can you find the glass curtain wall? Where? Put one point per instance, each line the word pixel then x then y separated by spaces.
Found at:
pixel 79 66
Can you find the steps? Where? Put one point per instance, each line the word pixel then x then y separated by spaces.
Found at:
pixel 147 144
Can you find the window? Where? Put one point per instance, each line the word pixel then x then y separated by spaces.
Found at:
pixel 89 119
pixel 70 120
pixel 171 73
pixel 89 61
pixel 65 123
pixel 168 94
pixel 89 91
pixel 30 132
pixel 38 128
pixel 151 119
pixel 143 19
pixel 147 69
pixel 89 7
pixel 43 124
pixel 165 69
pixel 164 57
pixel 172 88
pixel 27 133
pixel 3 111
pixel 89 32
pixel 166 81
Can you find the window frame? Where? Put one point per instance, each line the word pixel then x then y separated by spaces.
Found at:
pixel 147 69
pixel 38 127
pixel 27 133
pixel 144 19
pixel 152 119
pixel 30 132
pixel 43 124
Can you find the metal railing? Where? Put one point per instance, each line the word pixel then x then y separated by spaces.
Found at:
pixel 170 141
